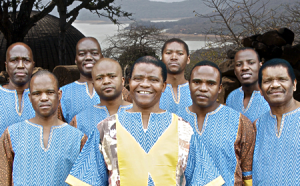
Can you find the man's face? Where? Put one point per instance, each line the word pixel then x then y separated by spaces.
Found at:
pixel 146 85
pixel 205 86
pixel 277 86
pixel 88 52
pixel 44 95
pixel 107 79
pixel 246 67
pixel 175 57
pixel 19 64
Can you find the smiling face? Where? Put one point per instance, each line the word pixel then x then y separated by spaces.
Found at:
pixel 277 86
pixel 88 51
pixel 19 64
pixel 107 79
pixel 146 85
pixel 44 95
pixel 175 57
pixel 246 67
pixel 205 86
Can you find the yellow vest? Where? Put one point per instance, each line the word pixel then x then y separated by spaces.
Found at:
pixel 135 165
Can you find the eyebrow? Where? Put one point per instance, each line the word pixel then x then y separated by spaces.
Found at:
pixel 210 80
pixel 99 75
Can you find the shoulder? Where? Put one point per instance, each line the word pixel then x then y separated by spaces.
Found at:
pixel 72 130
pixel 16 126
pixel 87 111
pixel 234 92
pixel 229 110
pixel 68 86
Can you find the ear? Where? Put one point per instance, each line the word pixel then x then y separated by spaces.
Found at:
pixel 260 64
pixel 29 95
pixel 295 85
pixel 188 60
pixel 220 88
pixel 59 92
pixel 123 81
pixel 164 86
pixel 75 62
pixel 261 93
pixel 5 66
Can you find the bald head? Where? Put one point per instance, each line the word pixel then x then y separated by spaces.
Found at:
pixel 107 79
pixel 19 64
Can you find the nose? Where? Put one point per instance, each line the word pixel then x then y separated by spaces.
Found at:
pixel 245 66
pixel 174 56
pixel 203 87
pixel 145 83
pixel 44 97
pixel 106 80
pixel 88 56
pixel 275 84
pixel 20 64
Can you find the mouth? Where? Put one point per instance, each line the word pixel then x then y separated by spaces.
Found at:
pixel 45 105
pixel 20 73
pixel 108 88
pixel 202 96
pixel 144 92
pixel 173 64
pixel 88 65
pixel 246 75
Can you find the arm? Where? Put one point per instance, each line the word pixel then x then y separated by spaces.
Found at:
pixel 6 159
pixel 73 123
pixel 83 141
pixel 201 169
pixel 244 149
pixel 89 168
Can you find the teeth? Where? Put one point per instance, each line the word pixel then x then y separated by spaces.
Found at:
pixel 246 75
pixel 89 65
pixel 143 92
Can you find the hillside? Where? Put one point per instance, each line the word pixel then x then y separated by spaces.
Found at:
pixel 147 10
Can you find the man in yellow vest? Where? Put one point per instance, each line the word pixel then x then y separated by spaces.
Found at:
pixel 145 145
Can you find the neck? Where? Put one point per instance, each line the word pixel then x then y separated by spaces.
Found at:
pixel 279 110
pixel 19 89
pixel 248 89
pixel 176 79
pixel 202 111
pixel 85 79
pixel 113 105
pixel 47 122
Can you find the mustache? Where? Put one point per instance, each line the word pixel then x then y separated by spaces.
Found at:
pixel 275 90
pixel 103 88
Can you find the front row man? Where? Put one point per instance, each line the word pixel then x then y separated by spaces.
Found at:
pixel 41 150
pixel 228 135
pixel 276 158
pixel 144 145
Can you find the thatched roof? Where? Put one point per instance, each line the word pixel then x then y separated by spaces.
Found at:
pixel 43 40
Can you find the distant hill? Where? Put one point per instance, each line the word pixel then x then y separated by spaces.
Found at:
pixel 147 10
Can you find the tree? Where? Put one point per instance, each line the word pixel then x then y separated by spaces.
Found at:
pixel 292 18
pixel 67 17
pixel 236 19
pixel 15 24
pixel 134 42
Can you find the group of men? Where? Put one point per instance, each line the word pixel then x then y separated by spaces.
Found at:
pixel 173 133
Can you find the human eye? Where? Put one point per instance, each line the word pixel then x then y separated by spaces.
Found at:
pixel 238 64
pixel 99 78
pixel 81 54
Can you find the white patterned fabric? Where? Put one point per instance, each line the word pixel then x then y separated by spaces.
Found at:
pixel 97 164
pixel 173 104
pixel 9 108
pixel 75 98
pixel 35 164
pixel 276 158
pixel 87 120
pixel 256 107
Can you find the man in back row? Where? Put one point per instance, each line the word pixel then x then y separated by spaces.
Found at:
pixel 247 99
pixel 108 83
pixel 41 150
pixel 175 55
pixel 228 136
pixel 144 145
pixel 14 101
pixel 81 94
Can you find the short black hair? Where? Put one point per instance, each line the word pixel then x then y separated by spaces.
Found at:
pixel 249 48
pixel 44 72
pixel 208 63
pixel 274 63
pixel 154 61
pixel 177 40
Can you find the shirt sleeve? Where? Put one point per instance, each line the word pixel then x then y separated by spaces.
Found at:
pixel 244 149
pixel 6 159
pixel 228 100
pixel 73 122
pixel 201 169
pixel 89 168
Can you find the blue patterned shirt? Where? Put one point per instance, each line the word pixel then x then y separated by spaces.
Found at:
pixel 97 164
pixel 256 107
pixel 87 120
pixel 9 108
pixel 173 104
pixel 75 98
pixel 276 158
pixel 34 164
pixel 228 137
